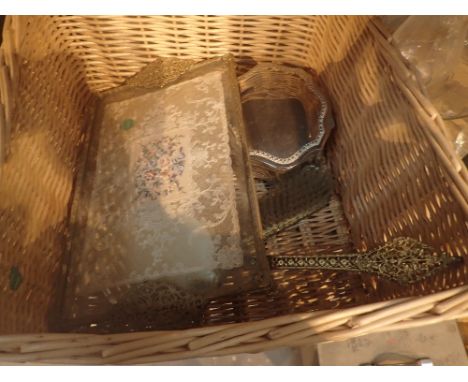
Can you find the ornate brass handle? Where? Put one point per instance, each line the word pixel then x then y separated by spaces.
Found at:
pixel 403 260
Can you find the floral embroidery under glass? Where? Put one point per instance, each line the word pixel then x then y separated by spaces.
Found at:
pixel 158 168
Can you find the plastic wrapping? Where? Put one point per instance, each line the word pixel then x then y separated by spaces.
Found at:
pixel 437 46
pixel 434 44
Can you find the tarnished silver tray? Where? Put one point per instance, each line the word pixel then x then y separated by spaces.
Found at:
pixel 287 116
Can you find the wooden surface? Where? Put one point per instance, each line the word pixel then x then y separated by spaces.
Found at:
pixel 309 353
pixel 463 326
pixel 440 343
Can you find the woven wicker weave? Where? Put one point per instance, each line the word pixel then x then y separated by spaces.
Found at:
pixel 396 175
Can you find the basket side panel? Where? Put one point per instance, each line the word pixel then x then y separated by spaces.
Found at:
pixel 392 182
pixel 114 48
pixel 36 181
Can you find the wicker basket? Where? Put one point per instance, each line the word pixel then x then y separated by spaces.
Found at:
pixel 397 175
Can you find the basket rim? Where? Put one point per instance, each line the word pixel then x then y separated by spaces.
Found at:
pixel 298 329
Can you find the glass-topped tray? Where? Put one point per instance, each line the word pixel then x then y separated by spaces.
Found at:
pixel 164 216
